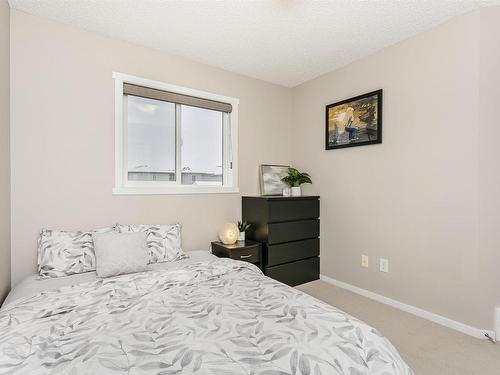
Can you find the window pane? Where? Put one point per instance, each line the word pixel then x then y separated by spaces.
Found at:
pixel 201 152
pixel 151 140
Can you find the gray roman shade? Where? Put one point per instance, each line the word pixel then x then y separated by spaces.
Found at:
pixel 166 96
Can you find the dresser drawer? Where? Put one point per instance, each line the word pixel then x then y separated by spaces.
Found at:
pixel 288 210
pixel 295 273
pixel 292 231
pixel 291 251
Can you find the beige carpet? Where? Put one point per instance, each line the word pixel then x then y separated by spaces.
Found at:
pixel 430 349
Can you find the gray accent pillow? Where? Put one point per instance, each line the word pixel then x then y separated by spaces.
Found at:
pixel 64 253
pixel 163 240
pixel 119 253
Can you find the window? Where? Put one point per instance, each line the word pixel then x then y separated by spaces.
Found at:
pixel 173 140
pixel 150 139
pixel 201 146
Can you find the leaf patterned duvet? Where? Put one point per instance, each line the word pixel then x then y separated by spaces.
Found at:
pixel 215 317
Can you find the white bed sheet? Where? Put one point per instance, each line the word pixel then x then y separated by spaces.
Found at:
pixel 32 285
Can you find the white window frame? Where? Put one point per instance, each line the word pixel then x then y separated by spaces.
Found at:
pixel 229 144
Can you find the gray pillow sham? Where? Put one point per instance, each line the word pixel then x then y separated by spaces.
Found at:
pixel 120 253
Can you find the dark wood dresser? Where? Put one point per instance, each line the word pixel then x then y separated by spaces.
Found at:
pixel 288 228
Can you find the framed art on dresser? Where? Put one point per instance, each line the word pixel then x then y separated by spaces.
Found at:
pixel 270 179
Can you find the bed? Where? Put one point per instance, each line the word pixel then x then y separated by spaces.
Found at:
pixel 201 315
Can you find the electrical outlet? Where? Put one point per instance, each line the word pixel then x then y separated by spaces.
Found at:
pixel 384 265
pixel 364 261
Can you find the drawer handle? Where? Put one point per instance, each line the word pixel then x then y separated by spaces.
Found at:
pixel 245 256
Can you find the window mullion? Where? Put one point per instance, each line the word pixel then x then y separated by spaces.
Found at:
pixel 225 149
pixel 124 170
pixel 178 144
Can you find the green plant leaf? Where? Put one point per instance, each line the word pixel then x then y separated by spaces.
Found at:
pixel 296 178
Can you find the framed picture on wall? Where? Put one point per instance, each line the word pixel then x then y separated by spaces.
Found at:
pixel 270 179
pixel 354 122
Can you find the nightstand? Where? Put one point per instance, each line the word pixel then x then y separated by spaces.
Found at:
pixel 247 251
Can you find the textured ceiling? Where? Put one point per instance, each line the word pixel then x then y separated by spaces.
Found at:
pixel 286 42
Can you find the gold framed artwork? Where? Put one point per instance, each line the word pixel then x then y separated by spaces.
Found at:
pixel 354 122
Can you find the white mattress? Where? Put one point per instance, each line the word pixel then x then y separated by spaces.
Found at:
pixel 32 285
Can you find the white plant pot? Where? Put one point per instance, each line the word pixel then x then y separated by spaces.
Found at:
pixel 296 191
pixel 242 236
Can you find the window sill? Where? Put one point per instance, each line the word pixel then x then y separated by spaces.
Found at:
pixel 174 190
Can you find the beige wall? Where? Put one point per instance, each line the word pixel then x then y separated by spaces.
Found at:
pixel 63 136
pixel 489 156
pixel 4 150
pixel 426 199
pixel 414 199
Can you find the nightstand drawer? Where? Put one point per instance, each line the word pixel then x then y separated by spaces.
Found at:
pixel 248 255
pixel 247 251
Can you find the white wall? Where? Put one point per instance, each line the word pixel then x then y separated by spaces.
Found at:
pixel 63 136
pixel 4 150
pixel 414 199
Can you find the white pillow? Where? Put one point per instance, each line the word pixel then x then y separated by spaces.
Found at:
pixel 119 253
pixel 164 240
pixel 63 253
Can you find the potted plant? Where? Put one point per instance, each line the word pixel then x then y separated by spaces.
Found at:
pixel 294 179
pixel 243 226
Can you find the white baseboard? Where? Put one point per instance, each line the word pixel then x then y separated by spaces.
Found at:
pixel 497 323
pixel 453 324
